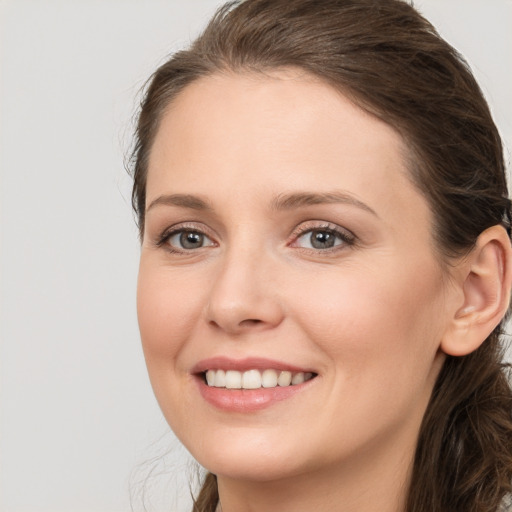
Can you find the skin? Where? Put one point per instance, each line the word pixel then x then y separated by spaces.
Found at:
pixel 367 316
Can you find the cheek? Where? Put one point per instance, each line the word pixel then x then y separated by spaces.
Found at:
pixel 167 310
pixel 381 337
pixel 366 318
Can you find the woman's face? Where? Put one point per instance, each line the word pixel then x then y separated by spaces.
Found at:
pixel 283 236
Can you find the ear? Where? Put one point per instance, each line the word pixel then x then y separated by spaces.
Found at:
pixel 486 282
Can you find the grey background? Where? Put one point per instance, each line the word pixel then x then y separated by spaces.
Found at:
pixel 77 415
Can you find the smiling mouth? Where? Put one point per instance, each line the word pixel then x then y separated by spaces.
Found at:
pixel 255 379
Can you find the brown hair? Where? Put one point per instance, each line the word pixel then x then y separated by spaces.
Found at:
pixel 391 62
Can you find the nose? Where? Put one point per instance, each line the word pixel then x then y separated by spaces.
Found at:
pixel 243 295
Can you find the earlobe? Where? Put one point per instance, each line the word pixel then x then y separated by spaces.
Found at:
pixel 486 284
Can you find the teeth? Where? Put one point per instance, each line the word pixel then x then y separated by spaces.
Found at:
pixel 269 379
pixel 298 378
pixel 284 379
pixel 210 377
pixel 220 379
pixel 254 379
pixel 251 379
pixel 233 379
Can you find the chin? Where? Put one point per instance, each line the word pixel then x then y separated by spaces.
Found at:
pixel 247 458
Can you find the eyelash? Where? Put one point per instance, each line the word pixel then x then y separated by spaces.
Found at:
pixel 167 234
pixel 346 237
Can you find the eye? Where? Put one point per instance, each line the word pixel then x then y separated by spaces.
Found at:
pixel 319 239
pixel 187 239
pixel 322 238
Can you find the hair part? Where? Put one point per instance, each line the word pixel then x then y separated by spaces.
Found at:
pixel 391 62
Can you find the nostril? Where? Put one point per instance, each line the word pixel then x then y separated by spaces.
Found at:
pixel 249 322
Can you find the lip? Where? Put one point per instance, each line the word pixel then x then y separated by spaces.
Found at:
pixel 243 365
pixel 246 400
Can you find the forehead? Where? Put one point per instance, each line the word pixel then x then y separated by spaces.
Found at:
pixel 283 130
pixel 270 111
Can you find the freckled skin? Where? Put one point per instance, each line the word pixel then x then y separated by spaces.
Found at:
pixel 367 316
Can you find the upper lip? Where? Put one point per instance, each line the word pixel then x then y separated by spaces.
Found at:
pixel 242 365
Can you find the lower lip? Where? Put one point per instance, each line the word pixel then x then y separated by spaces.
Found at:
pixel 247 400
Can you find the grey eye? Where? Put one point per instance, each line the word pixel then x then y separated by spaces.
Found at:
pixel 320 239
pixel 187 239
pixel 191 240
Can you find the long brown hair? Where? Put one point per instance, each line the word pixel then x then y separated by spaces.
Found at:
pixel 391 62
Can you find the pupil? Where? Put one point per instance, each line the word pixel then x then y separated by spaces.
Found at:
pixel 191 240
pixel 322 239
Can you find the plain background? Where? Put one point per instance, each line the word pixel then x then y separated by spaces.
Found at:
pixel 78 418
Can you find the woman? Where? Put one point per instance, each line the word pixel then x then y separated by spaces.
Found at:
pixel 326 262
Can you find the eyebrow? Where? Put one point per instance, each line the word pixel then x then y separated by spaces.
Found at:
pixel 183 200
pixel 281 202
pixel 298 199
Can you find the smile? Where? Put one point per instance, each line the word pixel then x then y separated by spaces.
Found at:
pixel 250 384
pixel 255 379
